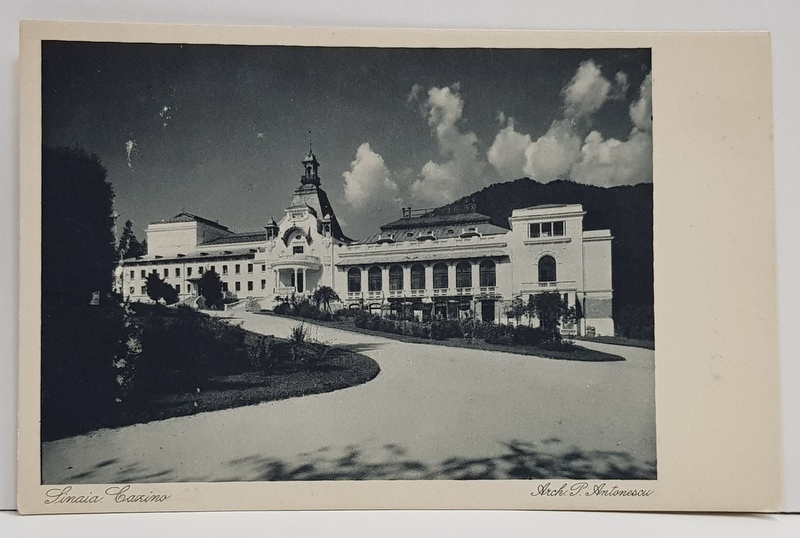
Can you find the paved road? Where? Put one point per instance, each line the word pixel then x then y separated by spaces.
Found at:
pixel 432 412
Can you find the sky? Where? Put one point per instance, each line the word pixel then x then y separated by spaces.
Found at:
pixel 219 131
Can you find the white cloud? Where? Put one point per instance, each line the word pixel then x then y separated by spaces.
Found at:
pixel 507 154
pixel 552 155
pixel 413 95
pixel 614 162
pixel 462 168
pixel 562 152
pixel 641 110
pixel 586 92
pixel 369 183
pixel 621 85
pixel 131 149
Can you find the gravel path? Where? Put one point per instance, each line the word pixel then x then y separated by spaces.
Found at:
pixel 432 412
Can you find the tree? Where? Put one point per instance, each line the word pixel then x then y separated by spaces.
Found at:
pixel 550 308
pixel 324 296
pixel 516 309
pixel 211 289
pixel 78 245
pixel 155 287
pixel 169 294
pixel 129 246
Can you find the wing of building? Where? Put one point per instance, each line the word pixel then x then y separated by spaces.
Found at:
pixel 447 264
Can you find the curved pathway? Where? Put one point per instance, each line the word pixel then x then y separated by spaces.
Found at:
pixel 432 412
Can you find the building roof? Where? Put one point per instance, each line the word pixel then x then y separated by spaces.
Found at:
pixel 546 206
pixel 443 230
pixel 188 217
pixel 244 237
pixel 193 256
pixel 430 219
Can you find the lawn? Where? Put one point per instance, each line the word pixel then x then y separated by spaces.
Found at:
pixel 340 369
pixel 619 341
pixel 108 367
pixel 577 353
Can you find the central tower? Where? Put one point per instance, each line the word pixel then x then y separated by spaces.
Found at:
pixel 310 196
pixel 311 165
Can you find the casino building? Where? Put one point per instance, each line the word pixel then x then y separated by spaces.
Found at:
pixel 429 263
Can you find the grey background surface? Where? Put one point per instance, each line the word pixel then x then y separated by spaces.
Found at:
pixel 779 17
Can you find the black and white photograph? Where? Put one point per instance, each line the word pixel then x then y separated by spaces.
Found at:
pixel 304 263
pixel 310 269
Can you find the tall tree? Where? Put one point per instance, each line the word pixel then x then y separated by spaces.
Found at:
pixel 129 246
pixel 211 289
pixel 550 308
pixel 78 244
pixel 155 287
pixel 324 296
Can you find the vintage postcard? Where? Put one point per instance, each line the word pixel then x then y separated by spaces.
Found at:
pixel 304 268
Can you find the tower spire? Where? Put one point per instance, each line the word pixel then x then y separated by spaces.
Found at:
pixel 310 166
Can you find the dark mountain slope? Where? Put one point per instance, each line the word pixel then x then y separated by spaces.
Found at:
pixel 626 210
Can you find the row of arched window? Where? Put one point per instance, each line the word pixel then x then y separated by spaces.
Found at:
pixel 486 276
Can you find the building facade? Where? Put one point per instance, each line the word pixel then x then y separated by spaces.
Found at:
pixel 427 263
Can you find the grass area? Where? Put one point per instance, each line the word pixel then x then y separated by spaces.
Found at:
pixel 340 369
pixel 618 341
pixel 106 367
pixel 578 353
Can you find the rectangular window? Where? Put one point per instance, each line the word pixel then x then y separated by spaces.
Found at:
pixel 249 267
pixel 249 285
pixel 238 286
pixel 224 269
pixel 166 272
pixel 558 228
pixel 133 290
pixel 213 269
pixel 177 271
pixel 237 268
pixel 297 250
pixel 263 267
pixel 188 288
pixel 200 270
pixel 263 284
pixel 144 290
pixel 188 271
pixel 534 230
pixel 144 273
pixel 177 288
pixel 224 286
pixel 132 273
pixel 547 229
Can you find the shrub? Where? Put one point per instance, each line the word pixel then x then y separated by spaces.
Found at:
pixel 636 322
pixel 347 313
pixel 181 352
pixel 305 309
pixel 529 336
pixel 499 334
pixel 282 309
pixel 442 329
pixel 298 334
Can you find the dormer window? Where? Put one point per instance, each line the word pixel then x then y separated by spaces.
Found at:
pixel 389 238
pixel 471 231
pixel 427 234
pixel 297 249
